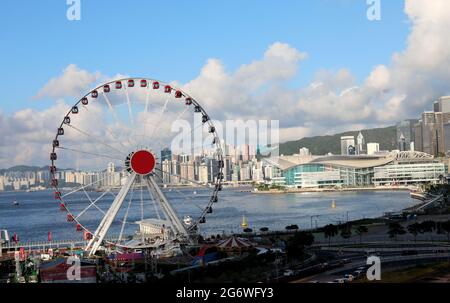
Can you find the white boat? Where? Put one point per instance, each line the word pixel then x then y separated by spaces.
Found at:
pixel 187 220
pixel 15 203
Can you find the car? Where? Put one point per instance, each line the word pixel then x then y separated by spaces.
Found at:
pixel 358 274
pixel 288 273
pixel 339 280
pixel 346 261
pixel 349 277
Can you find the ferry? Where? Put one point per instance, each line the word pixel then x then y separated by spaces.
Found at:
pixel 244 223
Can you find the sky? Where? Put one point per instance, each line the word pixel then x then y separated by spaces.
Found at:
pixel 317 66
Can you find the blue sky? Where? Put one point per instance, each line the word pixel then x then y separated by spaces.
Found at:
pixel 173 41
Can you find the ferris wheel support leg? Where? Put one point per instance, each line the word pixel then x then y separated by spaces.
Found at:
pixel 170 213
pixel 104 226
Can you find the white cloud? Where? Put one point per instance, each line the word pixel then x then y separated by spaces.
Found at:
pixel 72 82
pixel 332 102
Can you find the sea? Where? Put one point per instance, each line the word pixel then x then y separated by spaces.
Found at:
pixel 38 213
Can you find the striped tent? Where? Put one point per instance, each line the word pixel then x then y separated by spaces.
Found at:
pixel 234 244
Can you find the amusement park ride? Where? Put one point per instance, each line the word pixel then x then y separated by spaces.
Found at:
pixel 126 122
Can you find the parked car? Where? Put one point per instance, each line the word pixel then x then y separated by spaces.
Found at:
pixel 349 277
pixel 288 273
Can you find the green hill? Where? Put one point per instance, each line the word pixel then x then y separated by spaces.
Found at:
pixel 321 145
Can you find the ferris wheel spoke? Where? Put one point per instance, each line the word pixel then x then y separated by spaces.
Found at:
pixel 163 110
pixel 114 114
pixel 92 203
pixel 124 221
pixel 130 112
pixel 97 139
pixel 89 153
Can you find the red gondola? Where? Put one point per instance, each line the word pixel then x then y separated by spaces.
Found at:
pixel 131 83
pixel 62 207
pixel 87 236
pixel 70 218
pixel 188 101
pixel 143 83
pixel 118 85
pixel 156 85
pixel 106 88
pixel 79 228
pixel 54 182
pixel 57 195
pixel 84 101
pixel 167 89
pixel 178 94
pixel 94 94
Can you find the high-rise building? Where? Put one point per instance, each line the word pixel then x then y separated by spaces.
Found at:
pixel 166 154
pixel 348 145
pixel 406 129
pixel 373 148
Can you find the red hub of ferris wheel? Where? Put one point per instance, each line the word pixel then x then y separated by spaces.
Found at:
pixel 142 162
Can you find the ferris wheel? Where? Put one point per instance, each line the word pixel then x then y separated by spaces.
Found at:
pixel 119 176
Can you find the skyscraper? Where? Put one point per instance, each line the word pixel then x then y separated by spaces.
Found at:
pixel 166 154
pixel 406 129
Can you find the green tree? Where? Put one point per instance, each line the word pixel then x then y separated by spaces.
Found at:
pixel 360 230
pixel 330 231
pixel 445 226
pixel 414 229
pixel 296 244
pixel 346 233
pixel 395 229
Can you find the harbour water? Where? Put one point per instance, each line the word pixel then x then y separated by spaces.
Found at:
pixel 38 212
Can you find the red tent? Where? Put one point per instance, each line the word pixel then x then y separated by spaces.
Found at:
pixel 234 243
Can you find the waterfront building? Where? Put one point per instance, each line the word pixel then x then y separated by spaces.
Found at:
pixel 348 145
pixel 356 171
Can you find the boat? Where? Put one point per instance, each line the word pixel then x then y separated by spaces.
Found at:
pixel 195 192
pixel 244 223
pixel 15 203
pixel 333 204
pixel 187 220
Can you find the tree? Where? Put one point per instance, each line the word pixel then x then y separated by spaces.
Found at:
pixel 296 244
pixel 346 233
pixel 292 227
pixel 428 227
pixel 360 230
pixel 414 229
pixel 445 226
pixel 330 231
pixel 264 229
pixel 395 229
